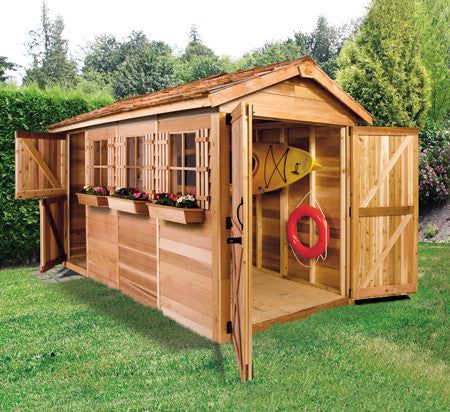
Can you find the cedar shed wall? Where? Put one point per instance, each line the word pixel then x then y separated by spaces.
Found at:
pixel 158 263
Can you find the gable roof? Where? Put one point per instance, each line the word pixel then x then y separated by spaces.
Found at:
pixel 216 90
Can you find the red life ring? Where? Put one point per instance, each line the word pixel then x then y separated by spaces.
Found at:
pixel 324 232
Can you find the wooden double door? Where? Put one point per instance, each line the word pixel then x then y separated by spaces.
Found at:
pixel 382 211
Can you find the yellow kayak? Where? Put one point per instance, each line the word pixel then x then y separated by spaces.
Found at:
pixel 276 165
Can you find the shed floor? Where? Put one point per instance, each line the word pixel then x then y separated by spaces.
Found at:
pixel 278 300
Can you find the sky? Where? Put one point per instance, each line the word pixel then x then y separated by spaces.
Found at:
pixel 228 27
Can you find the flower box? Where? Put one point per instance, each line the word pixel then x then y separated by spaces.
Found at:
pixel 176 214
pixel 92 200
pixel 128 205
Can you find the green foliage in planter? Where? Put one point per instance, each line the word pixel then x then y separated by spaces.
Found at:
pixel 28 108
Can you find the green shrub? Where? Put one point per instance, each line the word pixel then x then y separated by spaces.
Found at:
pixel 434 166
pixel 28 108
pixel 431 231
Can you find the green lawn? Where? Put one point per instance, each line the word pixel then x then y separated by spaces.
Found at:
pixel 81 346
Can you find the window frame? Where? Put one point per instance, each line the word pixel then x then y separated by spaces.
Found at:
pixel 183 168
pixel 138 154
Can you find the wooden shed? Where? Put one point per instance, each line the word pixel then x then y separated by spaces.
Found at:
pixel 234 273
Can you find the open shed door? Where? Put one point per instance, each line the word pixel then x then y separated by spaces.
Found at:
pixel 41 172
pixel 384 211
pixel 241 240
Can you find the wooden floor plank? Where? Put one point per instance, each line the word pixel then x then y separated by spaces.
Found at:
pixel 277 300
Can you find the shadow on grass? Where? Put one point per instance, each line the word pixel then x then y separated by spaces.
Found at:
pixel 149 323
pixel 383 299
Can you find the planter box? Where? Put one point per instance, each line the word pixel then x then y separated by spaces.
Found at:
pixel 127 205
pixel 176 214
pixel 92 200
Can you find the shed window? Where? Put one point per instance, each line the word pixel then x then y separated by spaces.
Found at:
pixel 100 163
pixel 134 161
pixel 182 163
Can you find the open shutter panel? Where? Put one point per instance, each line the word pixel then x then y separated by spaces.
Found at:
pixel 149 181
pixel 202 167
pixel 41 162
pixel 89 162
pixel 120 161
pixel 111 169
pixel 384 211
pixel 161 170
pixel 52 232
pixel 241 231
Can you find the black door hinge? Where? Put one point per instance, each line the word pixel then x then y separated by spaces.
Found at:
pixel 350 212
pixel 234 240
pixel 228 223
pixel 229 327
pixel 228 119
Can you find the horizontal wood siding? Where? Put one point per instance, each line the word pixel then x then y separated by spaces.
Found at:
pixel 102 251
pixel 137 258
pixel 185 274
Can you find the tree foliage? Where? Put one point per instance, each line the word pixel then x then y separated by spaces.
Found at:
pixel 433 19
pixel 147 66
pixel 323 44
pixel 382 66
pixel 5 66
pixel 51 65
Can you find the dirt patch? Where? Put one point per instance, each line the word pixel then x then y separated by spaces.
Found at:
pixel 436 222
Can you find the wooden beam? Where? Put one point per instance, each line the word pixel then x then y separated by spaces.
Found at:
pixel 199 103
pixel 386 170
pixel 284 216
pixel 383 291
pixel 37 157
pixel 296 114
pixel 343 213
pixel 312 198
pixel 386 211
pixel 46 204
pixel 385 131
pixel 40 135
pixel 365 281
pixel 254 84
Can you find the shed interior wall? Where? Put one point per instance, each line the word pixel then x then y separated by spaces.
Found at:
pixel 275 265
pixel 76 212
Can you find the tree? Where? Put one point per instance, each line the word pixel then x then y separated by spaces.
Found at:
pixel 434 30
pixel 195 47
pixel 5 66
pixel 272 52
pixel 49 51
pixel 325 42
pixel 382 67
pixel 147 67
pixel 103 56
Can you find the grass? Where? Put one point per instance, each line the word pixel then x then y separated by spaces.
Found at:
pixel 81 346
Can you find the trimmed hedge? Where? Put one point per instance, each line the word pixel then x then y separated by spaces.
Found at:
pixel 31 109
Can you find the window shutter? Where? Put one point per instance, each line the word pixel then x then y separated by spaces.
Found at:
pixel 149 163
pixel 121 160
pixel 161 168
pixel 202 167
pixel 110 164
pixel 89 159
